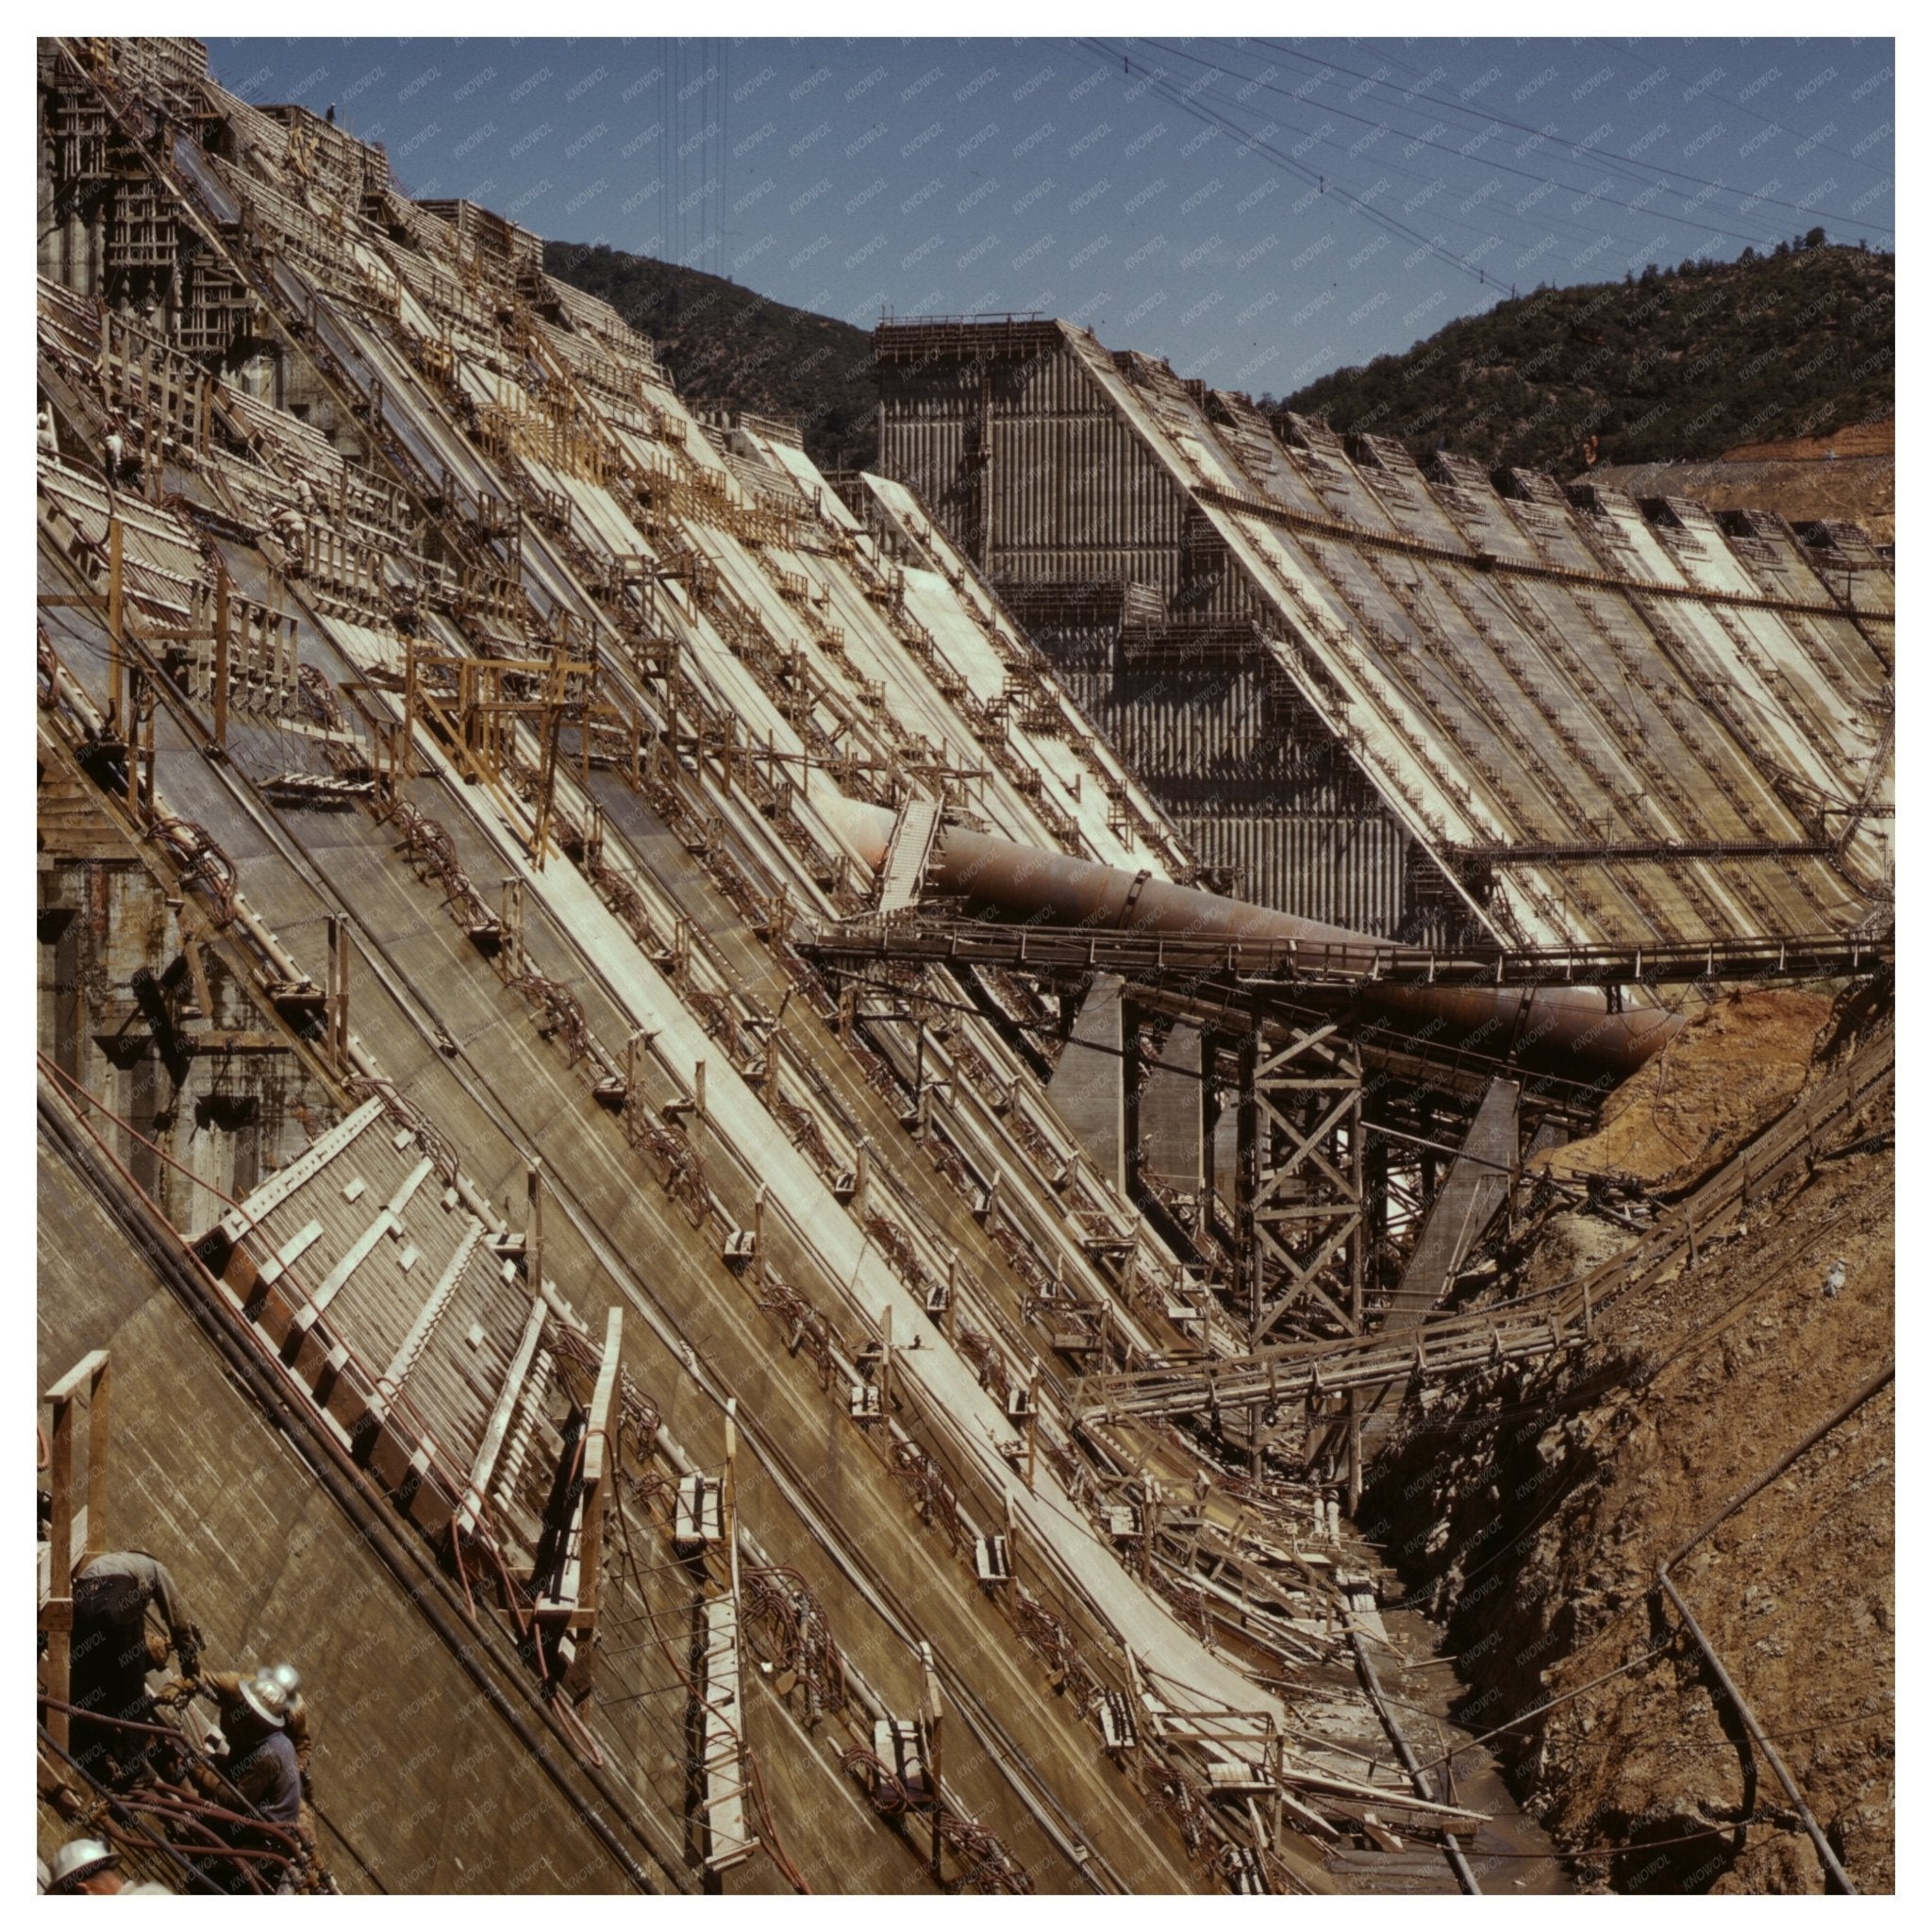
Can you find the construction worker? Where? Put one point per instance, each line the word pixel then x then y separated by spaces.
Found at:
pixel 114 1653
pixel 84 1866
pixel 45 436
pixel 261 1760
pixel 260 1763
pixel 225 1689
pixel 114 451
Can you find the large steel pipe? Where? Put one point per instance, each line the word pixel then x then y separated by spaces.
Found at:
pixel 1571 1032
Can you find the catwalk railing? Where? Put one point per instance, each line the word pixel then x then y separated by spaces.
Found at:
pixel 1142 954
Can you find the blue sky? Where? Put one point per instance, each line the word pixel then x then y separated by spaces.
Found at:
pixel 1260 211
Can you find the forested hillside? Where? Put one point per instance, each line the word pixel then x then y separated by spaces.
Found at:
pixel 1671 363
pixel 730 346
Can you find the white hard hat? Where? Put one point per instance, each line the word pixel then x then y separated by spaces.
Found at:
pixel 79 1858
pixel 266 1698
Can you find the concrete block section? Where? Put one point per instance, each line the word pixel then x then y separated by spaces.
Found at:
pixel 1087 1087
pixel 1171 1113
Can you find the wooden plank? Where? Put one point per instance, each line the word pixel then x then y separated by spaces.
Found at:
pixel 404 1193
pixel 410 1346
pixel 83 1371
pixel 299 1172
pixel 290 1253
pixel 337 1278
pixel 499 1427
pixel 597 1449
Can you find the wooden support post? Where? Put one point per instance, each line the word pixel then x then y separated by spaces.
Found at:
pixel 698 1081
pixel 633 1093
pixel 933 1713
pixel 221 692
pixel 99 1385
pixel 145 761
pixel 861 1175
pixel 757 1235
pixel 338 989
pixel 599 1472
pixel 57 1615
pixel 533 1236
pixel 115 615
pixel 730 1526
pixel 513 903
pixel 1032 1423
pixel 886 1368
pixel 774 1061
pixel 952 1293
pixel 409 700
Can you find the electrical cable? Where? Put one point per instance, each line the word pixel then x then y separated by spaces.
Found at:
pixel 1413 140
pixel 1596 157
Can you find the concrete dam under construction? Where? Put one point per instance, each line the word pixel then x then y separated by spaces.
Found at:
pixel 1080 1165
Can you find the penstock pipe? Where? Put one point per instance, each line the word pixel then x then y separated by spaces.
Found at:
pixel 1570 1030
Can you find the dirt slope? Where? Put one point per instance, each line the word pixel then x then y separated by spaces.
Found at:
pixel 1532 1512
pixel 1733 1068
pixel 1859 490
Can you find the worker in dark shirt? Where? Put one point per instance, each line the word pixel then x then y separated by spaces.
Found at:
pixel 260 1763
pixel 112 1653
pixel 225 1687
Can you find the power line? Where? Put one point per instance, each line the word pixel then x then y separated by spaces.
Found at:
pixel 1859 160
pixel 1616 161
pixel 1546 221
pixel 1253 144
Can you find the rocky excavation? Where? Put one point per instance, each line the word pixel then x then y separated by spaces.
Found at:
pixel 1529 1512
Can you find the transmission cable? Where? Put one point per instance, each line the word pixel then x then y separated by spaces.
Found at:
pixel 1528 175
pixel 1253 144
pixel 1617 161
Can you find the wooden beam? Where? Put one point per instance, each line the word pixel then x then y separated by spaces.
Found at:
pixel 83 1371
pixel 114 624
pixel 222 655
pixel 597 1450
pixel 498 1428
pixel 410 1346
pixel 337 1278
pixel 96 1543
